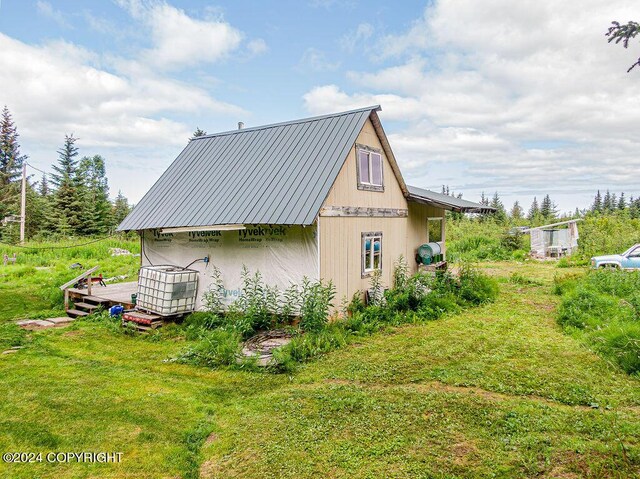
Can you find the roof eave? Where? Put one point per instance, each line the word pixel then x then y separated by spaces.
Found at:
pixel 450 207
pixel 382 136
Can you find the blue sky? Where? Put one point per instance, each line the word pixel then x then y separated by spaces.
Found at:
pixel 524 98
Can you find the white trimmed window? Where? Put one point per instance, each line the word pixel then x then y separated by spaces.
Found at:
pixel 371 252
pixel 369 169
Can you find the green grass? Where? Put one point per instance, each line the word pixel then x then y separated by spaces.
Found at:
pixel 494 391
pixel 603 309
pixel 29 288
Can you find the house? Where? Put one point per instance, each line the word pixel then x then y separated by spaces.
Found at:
pixel 320 197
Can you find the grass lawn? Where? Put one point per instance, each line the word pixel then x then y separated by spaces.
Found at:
pixel 29 288
pixel 496 391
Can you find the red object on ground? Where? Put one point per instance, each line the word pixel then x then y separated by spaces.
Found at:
pixel 138 318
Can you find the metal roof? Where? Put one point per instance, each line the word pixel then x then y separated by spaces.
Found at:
pixel 447 202
pixel 273 174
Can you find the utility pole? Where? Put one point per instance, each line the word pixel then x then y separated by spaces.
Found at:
pixel 23 202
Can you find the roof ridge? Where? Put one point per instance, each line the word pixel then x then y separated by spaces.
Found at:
pixel 290 122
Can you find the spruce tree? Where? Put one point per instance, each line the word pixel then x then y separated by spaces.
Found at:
pixel 120 209
pixel 198 133
pixel 534 210
pixel 622 202
pixel 69 195
pixel 10 166
pixel 597 203
pixel 634 208
pixel 10 158
pixel 547 209
pixel 43 201
pixel 607 204
pixel 500 213
pixel 516 212
pixel 96 211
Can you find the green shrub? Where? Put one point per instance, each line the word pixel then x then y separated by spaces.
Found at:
pixel 512 240
pixel 520 255
pixel 621 342
pixel 313 344
pixel 586 308
pixel 433 306
pixel 257 302
pixel 199 322
pixel 603 308
pixel 317 300
pixel 616 282
pixel 400 273
pixel 566 283
pixel 214 348
pixel 356 305
pixel 475 287
pixel 213 297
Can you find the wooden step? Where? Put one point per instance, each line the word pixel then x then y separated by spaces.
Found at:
pixel 89 308
pixel 76 313
pixel 95 300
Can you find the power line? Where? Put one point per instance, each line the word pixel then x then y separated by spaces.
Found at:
pixel 59 247
pixel 37 169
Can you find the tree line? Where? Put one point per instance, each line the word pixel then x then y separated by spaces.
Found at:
pixel 610 203
pixel 546 211
pixel 539 213
pixel 71 201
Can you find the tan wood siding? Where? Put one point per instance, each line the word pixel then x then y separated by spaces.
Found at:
pixel 345 190
pixel 341 236
pixel 341 251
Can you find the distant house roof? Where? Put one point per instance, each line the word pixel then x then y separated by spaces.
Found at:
pixel 447 202
pixel 273 174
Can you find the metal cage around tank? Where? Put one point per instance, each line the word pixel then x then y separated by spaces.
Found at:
pixel 167 289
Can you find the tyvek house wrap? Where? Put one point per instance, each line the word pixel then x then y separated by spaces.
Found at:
pixel 283 254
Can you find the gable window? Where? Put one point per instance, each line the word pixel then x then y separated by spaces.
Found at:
pixel 371 252
pixel 369 165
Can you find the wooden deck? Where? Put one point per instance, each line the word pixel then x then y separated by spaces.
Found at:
pixel 117 293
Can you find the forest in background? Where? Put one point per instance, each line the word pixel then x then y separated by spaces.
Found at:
pixel 71 201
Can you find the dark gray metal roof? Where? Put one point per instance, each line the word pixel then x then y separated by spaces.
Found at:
pixel 445 201
pixel 273 174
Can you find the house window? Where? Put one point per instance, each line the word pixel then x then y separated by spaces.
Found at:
pixel 369 169
pixel 371 252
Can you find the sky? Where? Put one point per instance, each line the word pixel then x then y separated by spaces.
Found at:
pixel 524 98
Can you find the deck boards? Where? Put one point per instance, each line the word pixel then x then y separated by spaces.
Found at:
pixel 115 293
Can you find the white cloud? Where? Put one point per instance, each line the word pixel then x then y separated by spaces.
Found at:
pixel 47 10
pixel 179 40
pixel 128 116
pixel 257 47
pixel 519 96
pixel 317 60
pixel 357 38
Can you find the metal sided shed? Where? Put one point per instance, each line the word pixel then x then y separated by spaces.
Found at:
pixel 555 239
